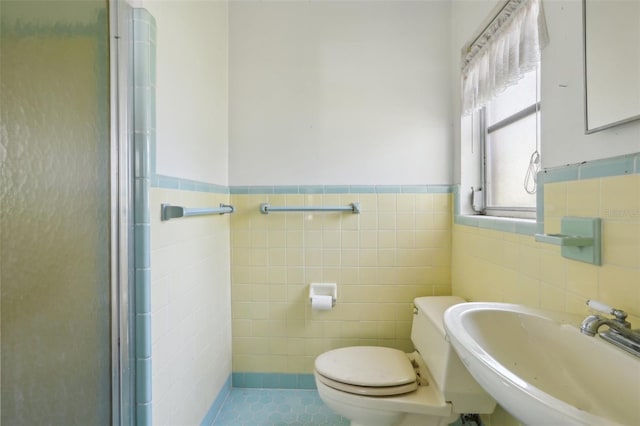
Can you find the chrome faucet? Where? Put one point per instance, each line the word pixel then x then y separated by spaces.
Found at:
pixel 619 329
pixel 592 323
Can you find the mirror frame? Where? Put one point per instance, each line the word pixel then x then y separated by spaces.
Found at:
pixel 588 130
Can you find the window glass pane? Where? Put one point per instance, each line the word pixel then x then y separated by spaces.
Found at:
pixel 508 152
pixel 514 99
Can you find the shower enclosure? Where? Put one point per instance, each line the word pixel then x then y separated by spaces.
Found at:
pixel 65 223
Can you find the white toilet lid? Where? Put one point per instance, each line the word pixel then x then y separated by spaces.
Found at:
pixel 367 390
pixel 369 366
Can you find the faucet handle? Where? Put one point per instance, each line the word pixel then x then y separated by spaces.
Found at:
pixel 606 309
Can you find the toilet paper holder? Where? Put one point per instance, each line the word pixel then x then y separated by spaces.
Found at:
pixel 324 289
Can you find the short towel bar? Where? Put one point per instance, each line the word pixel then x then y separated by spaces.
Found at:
pixel 174 212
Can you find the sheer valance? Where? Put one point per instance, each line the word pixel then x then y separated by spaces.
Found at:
pixel 508 48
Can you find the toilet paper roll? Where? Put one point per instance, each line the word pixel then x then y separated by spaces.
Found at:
pixel 321 303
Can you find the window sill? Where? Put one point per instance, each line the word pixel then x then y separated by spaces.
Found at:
pixel 503 224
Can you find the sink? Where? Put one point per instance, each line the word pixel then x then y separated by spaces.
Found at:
pixel 541 369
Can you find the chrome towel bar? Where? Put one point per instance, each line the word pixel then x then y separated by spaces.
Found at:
pixel 174 212
pixel 354 208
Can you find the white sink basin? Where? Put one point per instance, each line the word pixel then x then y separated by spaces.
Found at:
pixel 541 369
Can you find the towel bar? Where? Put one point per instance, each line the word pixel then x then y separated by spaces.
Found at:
pixel 354 208
pixel 174 212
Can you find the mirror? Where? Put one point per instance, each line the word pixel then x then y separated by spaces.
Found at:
pixel 611 62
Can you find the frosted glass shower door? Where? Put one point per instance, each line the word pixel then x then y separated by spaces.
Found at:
pixel 54 213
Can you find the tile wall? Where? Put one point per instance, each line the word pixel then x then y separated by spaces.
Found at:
pixel 491 265
pixel 398 248
pixel 190 307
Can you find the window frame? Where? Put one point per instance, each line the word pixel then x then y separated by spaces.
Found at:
pixel 506 211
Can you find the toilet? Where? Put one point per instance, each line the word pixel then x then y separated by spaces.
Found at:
pixel 378 386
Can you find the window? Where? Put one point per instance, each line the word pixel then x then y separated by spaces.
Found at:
pixel 511 154
pixel 500 99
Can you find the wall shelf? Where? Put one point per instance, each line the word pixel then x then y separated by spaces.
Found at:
pixel 579 238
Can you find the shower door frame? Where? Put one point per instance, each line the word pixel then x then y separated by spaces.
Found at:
pixel 122 222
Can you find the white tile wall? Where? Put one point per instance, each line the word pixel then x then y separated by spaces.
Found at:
pixel 191 307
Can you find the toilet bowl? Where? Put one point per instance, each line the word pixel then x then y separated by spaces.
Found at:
pixel 377 386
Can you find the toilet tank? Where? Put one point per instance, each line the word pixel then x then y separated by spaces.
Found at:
pixel 448 371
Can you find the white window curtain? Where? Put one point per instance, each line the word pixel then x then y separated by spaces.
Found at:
pixel 507 48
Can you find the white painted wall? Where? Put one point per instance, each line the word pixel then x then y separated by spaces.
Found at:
pixel 563 140
pixel 192 91
pixel 340 93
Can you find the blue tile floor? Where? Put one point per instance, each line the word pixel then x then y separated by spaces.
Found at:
pixel 275 407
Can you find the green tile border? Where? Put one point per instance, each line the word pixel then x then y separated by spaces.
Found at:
pixel 169 182
pixel 502 224
pixel 609 167
pixel 273 380
pixel 144 168
pixel 217 403
pixel 605 167
pixel 561 174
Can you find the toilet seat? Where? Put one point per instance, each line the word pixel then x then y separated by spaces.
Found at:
pixel 367 370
